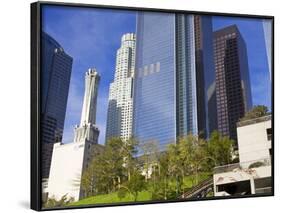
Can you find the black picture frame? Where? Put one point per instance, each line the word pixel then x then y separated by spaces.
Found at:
pixel 36 62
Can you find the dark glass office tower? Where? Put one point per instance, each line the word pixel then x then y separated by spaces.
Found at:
pixel 55 79
pixel 174 84
pixel 232 79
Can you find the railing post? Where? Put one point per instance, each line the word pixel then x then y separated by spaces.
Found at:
pixel 252 183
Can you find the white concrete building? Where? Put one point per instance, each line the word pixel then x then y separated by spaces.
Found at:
pixel 120 103
pixel 68 163
pixel 254 139
pixel 70 160
pixel 252 175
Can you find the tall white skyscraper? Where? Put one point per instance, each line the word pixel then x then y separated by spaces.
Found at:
pixel 87 129
pixel 120 104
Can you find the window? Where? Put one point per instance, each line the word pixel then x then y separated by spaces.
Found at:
pixel 151 68
pixel 269 133
pixel 145 70
pixel 140 72
pixel 158 67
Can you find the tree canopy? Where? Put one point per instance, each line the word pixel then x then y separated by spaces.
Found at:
pixel 118 168
pixel 256 112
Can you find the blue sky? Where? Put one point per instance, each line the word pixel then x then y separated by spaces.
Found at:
pixel 92 37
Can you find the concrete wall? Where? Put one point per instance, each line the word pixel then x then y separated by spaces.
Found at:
pixel 66 170
pixel 252 141
pixel 238 175
pixel 241 175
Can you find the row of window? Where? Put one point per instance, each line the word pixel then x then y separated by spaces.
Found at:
pixel 149 69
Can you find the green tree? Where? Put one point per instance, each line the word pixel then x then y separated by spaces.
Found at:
pixel 112 164
pixel 129 152
pixel 106 171
pixel 163 190
pixel 256 112
pixel 175 166
pixel 187 158
pixel 150 156
pixel 92 178
pixel 87 181
pixel 192 154
pixel 219 149
pixel 162 187
pixel 52 202
pixel 110 167
pixel 135 185
pixel 95 179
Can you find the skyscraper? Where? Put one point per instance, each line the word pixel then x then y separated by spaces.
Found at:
pixel 119 116
pixel 232 79
pixel 174 86
pixel 87 130
pixel 267 29
pixel 55 79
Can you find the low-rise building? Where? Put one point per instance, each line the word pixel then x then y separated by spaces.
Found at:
pixel 252 175
pixel 68 163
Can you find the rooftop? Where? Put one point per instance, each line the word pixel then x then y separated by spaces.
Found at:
pixel 254 121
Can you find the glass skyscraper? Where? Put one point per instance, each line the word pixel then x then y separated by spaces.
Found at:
pixel 267 29
pixel 55 79
pixel 174 84
pixel 234 96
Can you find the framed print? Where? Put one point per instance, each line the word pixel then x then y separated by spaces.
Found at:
pixel 141 105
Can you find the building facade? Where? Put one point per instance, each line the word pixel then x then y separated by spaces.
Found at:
pixel 252 175
pixel 267 29
pixel 55 79
pixel 255 139
pixel 70 160
pixel 174 89
pixel 120 103
pixel 233 87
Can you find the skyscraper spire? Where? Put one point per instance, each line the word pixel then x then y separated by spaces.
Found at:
pixel 88 131
pixel 89 109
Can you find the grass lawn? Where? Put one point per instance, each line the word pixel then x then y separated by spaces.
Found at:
pixel 142 196
pixel 112 198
